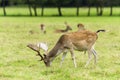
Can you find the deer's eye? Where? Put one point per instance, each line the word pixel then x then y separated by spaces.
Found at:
pixel 45 61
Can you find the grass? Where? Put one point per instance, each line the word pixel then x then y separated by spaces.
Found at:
pixel 17 62
pixel 24 11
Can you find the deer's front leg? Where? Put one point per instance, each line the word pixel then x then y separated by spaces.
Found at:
pixel 63 57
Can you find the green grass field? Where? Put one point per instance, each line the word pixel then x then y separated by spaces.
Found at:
pixel 17 62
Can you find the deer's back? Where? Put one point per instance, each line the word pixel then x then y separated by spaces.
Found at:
pixel 79 40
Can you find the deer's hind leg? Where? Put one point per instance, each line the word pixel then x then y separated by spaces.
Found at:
pixel 95 55
pixel 73 57
pixel 89 57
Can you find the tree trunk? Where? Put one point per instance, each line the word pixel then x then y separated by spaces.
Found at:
pixel 35 10
pixel 29 6
pixel 101 11
pixel 59 11
pixel 97 10
pixel 89 10
pixel 4 11
pixel 101 7
pixel 111 10
pixel 77 12
pixel 42 10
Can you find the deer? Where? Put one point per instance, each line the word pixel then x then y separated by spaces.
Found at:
pixel 31 32
pixel 42 28
pixel 80 27
pixel 80 41
pixel 65 30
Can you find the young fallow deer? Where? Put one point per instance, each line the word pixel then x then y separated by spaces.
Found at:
pixel 42 28
pixel 81 41
pixel 65 30
pixel 31 32
pixel 80 27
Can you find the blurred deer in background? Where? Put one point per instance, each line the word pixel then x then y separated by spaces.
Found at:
pixel 42 28
pixel 81 41
pixel 65 30
pixel 80 27
pixel 31 32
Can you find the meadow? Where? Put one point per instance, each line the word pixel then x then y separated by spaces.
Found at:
pixel 18 62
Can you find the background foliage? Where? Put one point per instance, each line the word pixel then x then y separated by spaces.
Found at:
pixel 35 4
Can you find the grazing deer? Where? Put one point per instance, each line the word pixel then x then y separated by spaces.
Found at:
pixel 42 28
pixel 66 30
pixel 31 32
pixel 81 41
pixel 80 27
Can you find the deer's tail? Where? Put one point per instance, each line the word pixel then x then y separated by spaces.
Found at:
pixel 101 30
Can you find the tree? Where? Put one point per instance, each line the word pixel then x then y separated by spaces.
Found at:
pixel 3 5
pixel 35 4
pixel 89 2
pixel 59 4
pixel 32 4
pixel 42 4
pixel 29 6
pixel 101 7
pixel 77 2
pixel 111 3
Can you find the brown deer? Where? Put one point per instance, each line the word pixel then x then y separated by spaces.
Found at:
pixel 80 27
pixel 65 30
pixel 42 28
pixel 31 32
pixel 81 41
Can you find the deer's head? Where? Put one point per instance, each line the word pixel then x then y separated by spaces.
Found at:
pixel 68 28
pixel 81 26
pixel 44 57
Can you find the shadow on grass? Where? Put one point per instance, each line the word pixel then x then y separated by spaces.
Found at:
pixel 59 16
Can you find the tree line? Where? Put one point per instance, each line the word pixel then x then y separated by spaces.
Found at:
pixel 34 4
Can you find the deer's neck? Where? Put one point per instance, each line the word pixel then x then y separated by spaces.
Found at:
pixel 54 52
pixel 66 30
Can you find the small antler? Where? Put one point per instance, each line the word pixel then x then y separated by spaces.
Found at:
pixel 36 49
pixel 40 56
